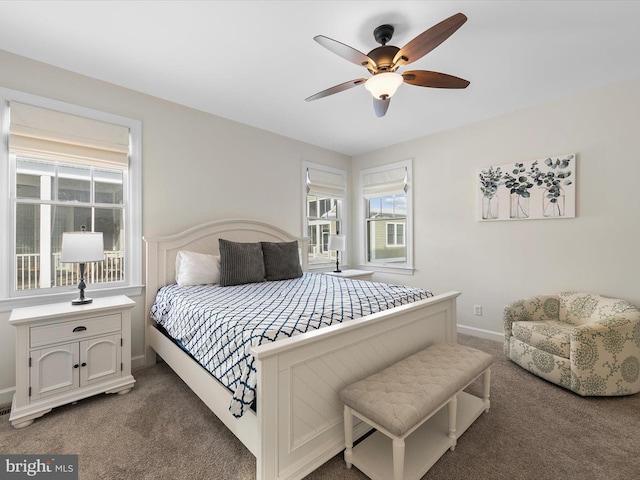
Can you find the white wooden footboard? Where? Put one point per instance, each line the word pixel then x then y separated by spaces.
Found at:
pixel 300 416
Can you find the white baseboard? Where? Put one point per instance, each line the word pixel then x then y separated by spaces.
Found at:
pixel 137 362
pixel 6 395
pixel 479 332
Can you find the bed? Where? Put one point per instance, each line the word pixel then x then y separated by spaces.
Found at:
pixel 297 422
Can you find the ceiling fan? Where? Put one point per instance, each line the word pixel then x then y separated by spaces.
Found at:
pixel 382 62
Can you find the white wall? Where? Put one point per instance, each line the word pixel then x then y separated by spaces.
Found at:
pixel 494 263
pixel 196 167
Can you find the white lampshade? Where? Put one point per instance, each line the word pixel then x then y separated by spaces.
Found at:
pixel 82 247
pixel 337 242
pixel 383 85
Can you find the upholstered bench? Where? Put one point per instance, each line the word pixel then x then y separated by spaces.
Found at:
pixel 407 398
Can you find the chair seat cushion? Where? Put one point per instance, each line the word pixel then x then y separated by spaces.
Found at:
pixel 552 336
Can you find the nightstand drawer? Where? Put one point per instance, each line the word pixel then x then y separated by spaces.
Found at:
pixel 74 330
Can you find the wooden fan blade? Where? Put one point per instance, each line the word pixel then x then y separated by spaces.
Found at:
pixel 424 78
pixel 428 40
pixel 345 51
pixel 336 89
pixel 381 106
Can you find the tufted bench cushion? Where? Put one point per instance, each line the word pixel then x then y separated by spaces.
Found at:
pixel 404 394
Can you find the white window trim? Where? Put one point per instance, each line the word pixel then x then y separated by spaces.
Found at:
pixel 344 256
pixel 133 262
pixel 361 235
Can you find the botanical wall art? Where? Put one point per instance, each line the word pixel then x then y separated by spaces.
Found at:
pixel 528 190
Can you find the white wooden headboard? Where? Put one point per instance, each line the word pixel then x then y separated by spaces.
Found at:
pixel 161 252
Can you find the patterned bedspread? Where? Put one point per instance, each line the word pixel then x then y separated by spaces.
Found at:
pixel 218 325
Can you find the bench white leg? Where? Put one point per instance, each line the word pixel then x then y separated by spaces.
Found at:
pixel 452 410
pixel 398 458
pixel 486 387
pixel 348 436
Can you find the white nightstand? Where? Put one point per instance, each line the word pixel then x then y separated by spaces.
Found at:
pixel 68 352
pixel 354 274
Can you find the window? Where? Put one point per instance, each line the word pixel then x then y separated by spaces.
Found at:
pixel 395 234
pixel 65 167
pixel 386 216
pixel 55 197
pixel 324 197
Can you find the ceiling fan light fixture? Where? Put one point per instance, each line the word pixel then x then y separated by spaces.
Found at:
pixel 383 85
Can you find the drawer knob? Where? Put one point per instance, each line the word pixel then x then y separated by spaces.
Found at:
pixel 79 329
pixel 84 364
pixel 76 366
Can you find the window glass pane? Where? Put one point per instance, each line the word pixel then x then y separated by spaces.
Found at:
pixel 331 208
pixel 110 221
pixel 312 206
pixel 328 208
pixel 383 241
pixel 319 231
pixel 74 184
pixel 34 178
pixel 390 234
pixel 66 219
pixel 27 247
pixel 322 204
pixel 108 186
pixel 401 205
pixel 375 207
pixel 387 206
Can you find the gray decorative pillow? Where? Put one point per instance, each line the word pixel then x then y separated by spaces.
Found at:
pixel 240 263
pixel 281 260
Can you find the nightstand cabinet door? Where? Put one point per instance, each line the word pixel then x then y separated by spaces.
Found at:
pixel 100 359
pixel 53 372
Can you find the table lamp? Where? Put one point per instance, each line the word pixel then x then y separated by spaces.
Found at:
pixel 82 247
pixel 338 243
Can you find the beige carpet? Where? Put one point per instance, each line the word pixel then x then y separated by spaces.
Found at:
pixel 161 430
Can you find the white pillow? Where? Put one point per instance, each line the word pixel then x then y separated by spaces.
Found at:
pixel 197 268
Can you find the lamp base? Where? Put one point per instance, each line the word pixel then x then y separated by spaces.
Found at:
pixel 81 301
pixel 337 271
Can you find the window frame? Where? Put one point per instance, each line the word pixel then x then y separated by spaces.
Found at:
pixel 407 267
pixel 341 216
pixel 10 297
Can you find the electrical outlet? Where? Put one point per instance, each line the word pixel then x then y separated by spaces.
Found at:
pixel 477 310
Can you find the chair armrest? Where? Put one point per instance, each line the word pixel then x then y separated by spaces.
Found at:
pixel 626 327
pixel 604 357
pixel 538 309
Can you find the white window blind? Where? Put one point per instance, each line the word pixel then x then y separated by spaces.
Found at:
pixel 47 133
pixel 323 183
pixel 387 182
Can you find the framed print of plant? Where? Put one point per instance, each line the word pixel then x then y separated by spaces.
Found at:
pixel 538 189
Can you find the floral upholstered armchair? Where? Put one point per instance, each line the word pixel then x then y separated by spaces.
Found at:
pixel 587 343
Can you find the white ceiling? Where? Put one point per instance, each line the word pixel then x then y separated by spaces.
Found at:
pixel 255 61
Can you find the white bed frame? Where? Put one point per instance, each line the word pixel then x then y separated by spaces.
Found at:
pixel 299 421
